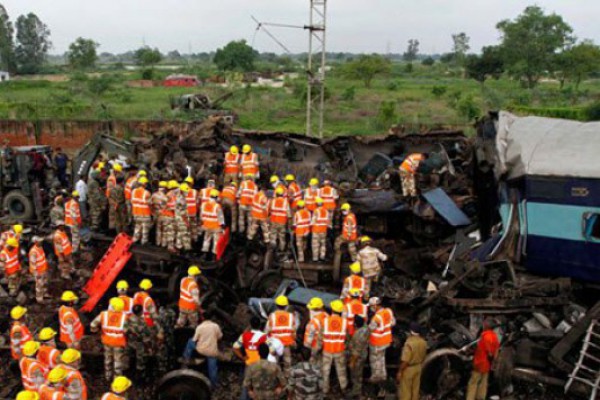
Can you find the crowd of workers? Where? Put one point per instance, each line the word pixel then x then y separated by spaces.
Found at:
pixel 357 326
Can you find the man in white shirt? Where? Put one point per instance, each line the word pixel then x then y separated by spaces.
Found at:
pixel 82 188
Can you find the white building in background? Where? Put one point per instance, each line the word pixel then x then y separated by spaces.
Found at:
pixel 4 76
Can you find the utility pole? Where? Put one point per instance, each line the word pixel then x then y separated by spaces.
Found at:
pixel 315 69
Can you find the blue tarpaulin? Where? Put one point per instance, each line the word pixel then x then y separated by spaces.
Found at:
pixel 445 206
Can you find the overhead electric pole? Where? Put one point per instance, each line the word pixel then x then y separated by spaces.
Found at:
pixel 315 69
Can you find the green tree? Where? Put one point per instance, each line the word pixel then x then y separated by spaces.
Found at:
pixel 460 47
pixel 578 63
pixel 33 43
pixel 530 43
pixel 488 64
pixel 366 68
pixel 236 56
pixel 82 53
pixel 7 46
pixel 147 57
pixel 412 50
pixel 429 61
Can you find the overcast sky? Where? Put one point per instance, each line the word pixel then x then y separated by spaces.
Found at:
pixel 353 25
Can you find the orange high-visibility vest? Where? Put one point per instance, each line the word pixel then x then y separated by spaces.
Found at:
pixel 15 343
pixel 294 194
pixel 143 299
pixel 302 220
pixel 328 194
pixel 72 214
pixel 111 396
pixel 411 163
pixel 111 182
pixel 249 164
pixel 382 335
pixel 41 264
pixel 210 215
pixel 231 163
pixel 285 190
pixel 49 393
pixel 280 209
pixel 315 323
pixel 260 206
pixel 28 368
pixel 62 240
pixel 127 304
pixel 113 328
pixel 282 327
pixel 321 220
pixel 169 210
pixel 66 314
pixel 334 334
pixel 48 356
pixel 192 202
pixel 354 308
pixel 186 299
pixel 247 191
pixel 12 265
pixel 140 202
pixel 355 282
pixel 349 231
pixel 230 193
pixel 72 376
pixel 310 197
pixel 205 194
pixel 129 186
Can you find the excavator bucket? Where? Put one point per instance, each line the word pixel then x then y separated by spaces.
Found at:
pixel 107 270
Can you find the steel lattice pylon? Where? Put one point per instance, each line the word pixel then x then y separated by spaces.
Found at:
pixel 315 94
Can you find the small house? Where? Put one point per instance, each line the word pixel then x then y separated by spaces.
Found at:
pixel 4 76
pixel 179 80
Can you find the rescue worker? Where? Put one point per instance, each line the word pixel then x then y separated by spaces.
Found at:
pixel 63 251
pixel 54 389
pixel 118 388
pixel 19 332
pixel 10 265
pixel 263 379
pixel 231 165
pixel 38 267
pixel 205 193
pixel 130 184
pixel 15 232
pixel 358 350
pixel 141 212
pixel 348 236
pixel 139 338
pixel 245 196
pixel 32 371
pixel 229 202
pixel 122 288
pixel 57 212
pixel 283 325
pixel 189 299
pixel 71 329
pixel 183 239
pixel 319 225
pixel 112 326
pixel 330 196
pixel 96 200
pixel 74 386
pixel 249 162
pixel 381 338
pixel 246 346
pixel 260 216
pixel 408 172
pixel 48 355
pixel 355 307
pixel 117 207
pixel 333 336
pixel 313 328
pixel 306 382
pixel 354 281
pixel 294 192
pixel 111 181
pixel 158 205
pixel 142 298
pixel 280 214
pixel 486 352
pixel 310 194
pixel 301 226
pixel 370 259
pixel 213 223
pixel 193 205
pixel 169 215
pixel 411 365
pixel 276 182
pixel 73 219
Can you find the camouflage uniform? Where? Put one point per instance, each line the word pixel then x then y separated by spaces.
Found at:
pixel 117 211
pixel 41 279
pixel 97 202
pixel 409 185
pixel 339 359
pixel 231 208
pixel 183 239
pixel 158 203
pixel 279 233
pixel 57 213
pixel 369 258
pixel 114 357
pixel 319 246
pixel 170 228
pixel 263 378
pixel 139 339
pixel 166 347
pixel 14 280
pixel 255 223
pixel 306 382
pixel 244 218
pixel 358 349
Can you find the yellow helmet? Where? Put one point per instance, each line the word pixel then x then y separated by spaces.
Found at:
pixel 274 179
pixel 290 178
pixel 365 239
pixel 173 184
pixel 315 303
pixel 69 356
pixel 46 334
pixel 122 285
pixel 355 267
pixel 146 284
pixel 355 292
pixel 143 180
pixel 18 312
pixel 57 375
pixel 189 180
pixel 279 190
pixel 345 207
pixel 27 395
pixel 319 200
pixel 234 183
pixel 234 150
pixel 30 348
pixel 194 270
pixel 120 384
pixel 163 184
pixel 18 228
pixel 337 306
pixel 142 173
pixel 69 295
pixel 75 193
pixel 117 167
pixel 282 301
pixel 117 304
pixel 301 203
pixel 101 166
pixel 12 242
pixel 313 182
pixel 214 193
pixel 184 187
pixel 246 149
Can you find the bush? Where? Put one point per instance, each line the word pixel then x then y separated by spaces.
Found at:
pixel 468 108
pixel 386 115
pixel 592 112
pixel 409 68
pixel 454 97
pixel 392 86
pixel 428 61
pixel 99 86
pixel 148 74
pixel 439 91
pixel 349 94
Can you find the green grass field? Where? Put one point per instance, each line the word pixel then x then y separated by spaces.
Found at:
pixel 427 97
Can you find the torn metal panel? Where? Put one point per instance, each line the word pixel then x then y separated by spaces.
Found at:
pixel 445 206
